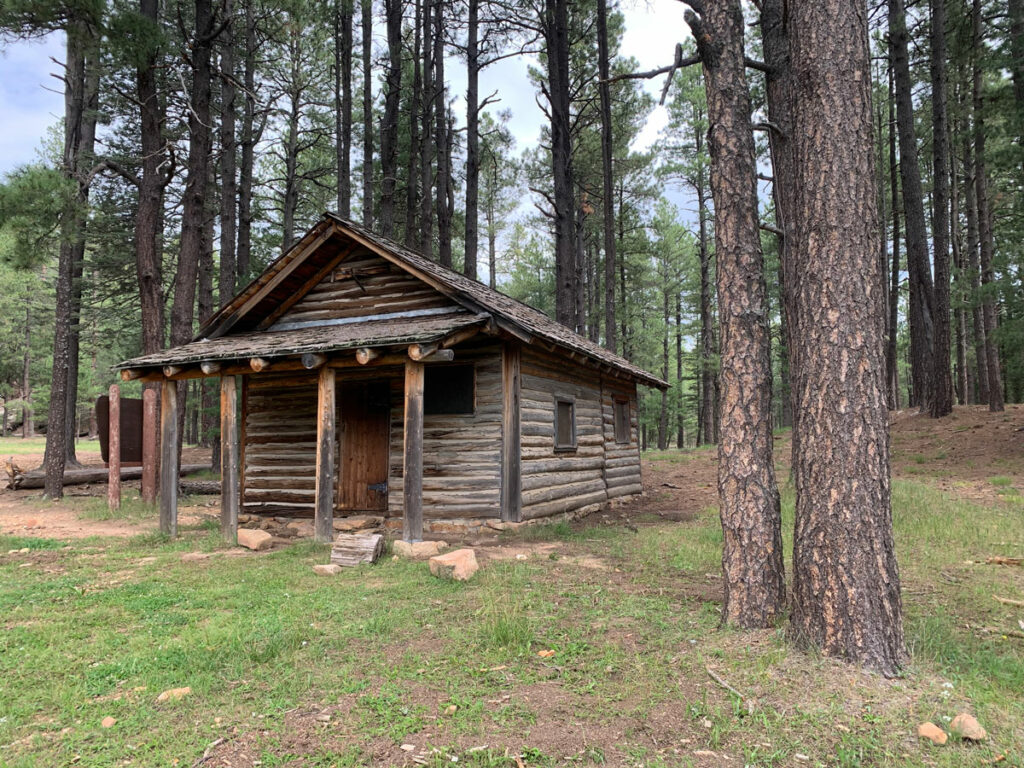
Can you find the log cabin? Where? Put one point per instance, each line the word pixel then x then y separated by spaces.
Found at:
pixel 357 376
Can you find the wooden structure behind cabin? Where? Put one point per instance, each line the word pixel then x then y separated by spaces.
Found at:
pixel 360 377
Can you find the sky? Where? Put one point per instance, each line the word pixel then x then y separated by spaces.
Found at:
pixel 31 99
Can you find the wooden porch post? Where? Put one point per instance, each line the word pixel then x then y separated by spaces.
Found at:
pixel 511 435
pixel 324 516
pixel 149 446
pixel 114 449
pixel 228 460
pixel 412 473
pixel 169 458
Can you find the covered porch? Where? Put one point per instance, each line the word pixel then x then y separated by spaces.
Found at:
pixel 395 350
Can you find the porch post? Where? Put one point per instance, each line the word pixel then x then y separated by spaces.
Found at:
pixel 169 461
pixel 324 516
pixel 228 460
pixel 412 473
pixel 511 435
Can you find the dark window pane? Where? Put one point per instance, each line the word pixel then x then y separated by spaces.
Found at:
pixel 565 427
pixel 622 421
pixel 448 389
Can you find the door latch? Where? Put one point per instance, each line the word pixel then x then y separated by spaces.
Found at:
pixel 378 487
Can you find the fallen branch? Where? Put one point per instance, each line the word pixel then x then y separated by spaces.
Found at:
pixel 37 479
pixel 724 684
pixel 208 751
pixel 1008 601
pixel 1000 560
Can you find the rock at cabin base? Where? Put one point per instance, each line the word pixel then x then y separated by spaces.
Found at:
pixel 417 550
pixel 254 539
pixel 357 523
pixel 301 528
pixel 966 727
pixel 459 565
pixel 932 732
pixel 327 570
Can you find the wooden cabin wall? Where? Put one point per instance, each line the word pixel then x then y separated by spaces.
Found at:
pixel 560 481
pixel 280 445
pixel 461 453
pixel 622 460
pixel 361 285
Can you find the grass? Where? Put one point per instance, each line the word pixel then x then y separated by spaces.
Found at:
pixel 17 446
pixel 386 651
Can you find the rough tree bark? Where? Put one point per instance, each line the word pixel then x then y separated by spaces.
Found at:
pixel 708 375
pixel 846 591
pixel 412 202
pixel 426 145
pixel 941 401
pixel 891 361
pixel 755 587
pixel 442 146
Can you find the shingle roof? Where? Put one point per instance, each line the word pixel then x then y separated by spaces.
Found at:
pixel 216 341
pixel 330 338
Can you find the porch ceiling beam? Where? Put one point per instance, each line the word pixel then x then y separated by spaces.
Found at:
pixel 312 360
pixel 209 367
pixel 365 355
pixel 419 351
pixel 259 364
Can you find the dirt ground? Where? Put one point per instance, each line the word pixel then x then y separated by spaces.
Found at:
pixel 960 453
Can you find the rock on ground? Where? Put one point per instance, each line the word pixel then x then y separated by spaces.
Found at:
pixel 254 539
pixel 459 565
pixel 303 529
pixel 327 570
pixel 932 732
pixel 174 694
pixel 108 722
pixel 966 727
pixel 357 523
pixel 417 550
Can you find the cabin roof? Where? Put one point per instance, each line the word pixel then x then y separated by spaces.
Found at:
pixel 234 332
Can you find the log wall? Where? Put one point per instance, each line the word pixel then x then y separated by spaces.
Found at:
pixel 622 460
pixel 461 453
pixel 364 284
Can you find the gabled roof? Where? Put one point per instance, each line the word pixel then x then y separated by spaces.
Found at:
pixel 248 316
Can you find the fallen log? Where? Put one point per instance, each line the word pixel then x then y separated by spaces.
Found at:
pixel 36 479
pixel 199 487
pixel 358 548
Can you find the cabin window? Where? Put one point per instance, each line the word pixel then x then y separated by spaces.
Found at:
pixel 565 424
pixel 449 389
pixel 622 421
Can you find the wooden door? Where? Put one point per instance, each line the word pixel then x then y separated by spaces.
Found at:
pixel 364 420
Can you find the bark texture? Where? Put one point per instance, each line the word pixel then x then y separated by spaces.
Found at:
pixel 753 571
pixel 846 590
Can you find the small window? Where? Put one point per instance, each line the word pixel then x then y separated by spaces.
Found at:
pixel 565 424
pixel 622 421
pixel 449 389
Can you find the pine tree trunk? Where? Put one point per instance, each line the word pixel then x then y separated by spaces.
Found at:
pixel 891 358
pixel 472 137
pixel 986 237
pixel 681 427
pixel 26 378
pixel 555 24
pixel 754 577
pixel 846 593
pixel 389 124
pixel 942 381
pixel 973 263
pixel 82 43
pixel 922 330
pixel 427 147
pixel 708 374
pixel 367 48
pixel 249 138
pixel 607 171
pixel 412 201
pixel 343 103
pixel 442 142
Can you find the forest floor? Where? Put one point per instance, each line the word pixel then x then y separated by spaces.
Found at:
pixel 583 644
